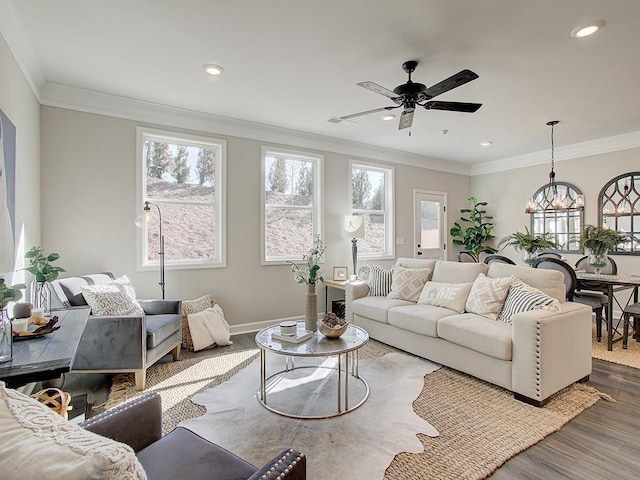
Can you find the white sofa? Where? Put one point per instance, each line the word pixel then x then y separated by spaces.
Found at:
pixel 540 353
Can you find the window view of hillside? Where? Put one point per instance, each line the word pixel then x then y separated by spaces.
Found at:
pixel 368 199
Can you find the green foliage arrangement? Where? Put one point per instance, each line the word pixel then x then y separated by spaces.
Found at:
pixel 41 265
pixel 475 236
pixel 527 242
pixel 9 294
pixel 600 240
pixel 309 271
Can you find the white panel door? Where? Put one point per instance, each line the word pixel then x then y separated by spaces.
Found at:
pixel 430 217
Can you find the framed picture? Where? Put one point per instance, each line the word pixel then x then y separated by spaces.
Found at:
pixel 340 273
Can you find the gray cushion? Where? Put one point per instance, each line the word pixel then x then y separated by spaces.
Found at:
pixel 160 327
pixel 421 319
pixel 477 333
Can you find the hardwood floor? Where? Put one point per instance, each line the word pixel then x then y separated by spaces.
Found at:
pixel 601 443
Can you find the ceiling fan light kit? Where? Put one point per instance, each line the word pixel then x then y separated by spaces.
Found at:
pixel 412 94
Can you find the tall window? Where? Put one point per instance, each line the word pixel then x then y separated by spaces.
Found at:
pixel 372 197
pixel 561 226
pixel 619 206
pixel 291 204
pixel 184 176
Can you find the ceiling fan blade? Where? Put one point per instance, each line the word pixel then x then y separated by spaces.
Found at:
pixel 374 87
pixel 453 106
pixel 450 83
pixel 406 119
pixel 353 115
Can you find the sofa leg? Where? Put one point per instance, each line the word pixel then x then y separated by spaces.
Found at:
pixel 583 379
pixel 530 401
pixel 141 378
pixel 175 353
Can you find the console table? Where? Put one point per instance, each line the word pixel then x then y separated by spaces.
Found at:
pixel 49 356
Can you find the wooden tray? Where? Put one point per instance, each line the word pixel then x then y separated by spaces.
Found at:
pixel 37 331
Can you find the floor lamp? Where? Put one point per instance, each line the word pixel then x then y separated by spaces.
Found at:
pixel 353 226
pixel 147 215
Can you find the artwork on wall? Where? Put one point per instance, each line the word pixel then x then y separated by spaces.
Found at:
pixel 7 194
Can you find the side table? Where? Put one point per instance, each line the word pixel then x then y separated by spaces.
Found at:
pixel 337 284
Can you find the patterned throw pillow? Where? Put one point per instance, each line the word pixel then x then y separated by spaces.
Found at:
pixel 487 295
pixel 380 281
pixel 448 295
pixel 523 298
pixel 189 307
pixel 407 283
pixel 113 298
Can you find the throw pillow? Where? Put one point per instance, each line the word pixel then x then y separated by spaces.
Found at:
pixel 114 298
pixel 190 307
pixel 448 295
pixel 39 443
pixel 523 298
pixel 380 281
pixel 407 283
pixel 487 296
pixel 209 328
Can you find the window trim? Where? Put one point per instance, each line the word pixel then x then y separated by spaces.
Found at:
pixel 317 211
pixel 143 264
pixel 389 223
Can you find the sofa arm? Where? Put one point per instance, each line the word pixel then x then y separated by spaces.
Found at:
pixel 551 350
pixel 290 464
pixel 353 291
pixel 138 422
pixel 161 307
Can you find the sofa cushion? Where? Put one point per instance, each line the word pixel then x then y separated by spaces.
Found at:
pixel 447 295
pixel 38 443
pixel 477 333
pixel 161 327
pixel 487 296
pixel 376 308
pixel 550 282
pixel 523 298
pixel 69 290
pixel 406 262
pixel 407 283
pixel 380 281
pixel 457 272
pixel 113 298
pixel 420 319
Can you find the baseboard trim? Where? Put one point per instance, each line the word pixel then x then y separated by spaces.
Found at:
pixel 257 326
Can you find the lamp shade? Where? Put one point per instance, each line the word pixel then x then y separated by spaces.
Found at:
pixel 353 226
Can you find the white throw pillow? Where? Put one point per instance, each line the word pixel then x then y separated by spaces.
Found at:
pixel 407 283
pixel 114 298
pixel 209 327
pixel 523 298
pixel 380 281
pixel 448 295
pixel 38 443
pixel 487 296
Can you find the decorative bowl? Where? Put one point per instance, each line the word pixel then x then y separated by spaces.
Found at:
pixel 332 332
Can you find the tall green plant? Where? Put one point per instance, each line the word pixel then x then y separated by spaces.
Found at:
pixel 600 240
pixel 527 242
pixel 475 236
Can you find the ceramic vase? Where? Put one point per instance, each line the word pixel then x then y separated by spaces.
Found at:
pixel 6 339
pixel 311 312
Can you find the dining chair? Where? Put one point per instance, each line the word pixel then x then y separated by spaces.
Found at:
pixel 571 282
pixel 498 258
pixel 466 257
pixel 550 254
pixel 595 288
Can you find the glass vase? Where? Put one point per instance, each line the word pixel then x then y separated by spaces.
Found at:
pixel 528 257
pixel 311 312
pixel 41 296
pixel 597 261
pixel 6 338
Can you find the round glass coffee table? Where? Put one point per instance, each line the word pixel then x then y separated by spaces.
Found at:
pixel 304 390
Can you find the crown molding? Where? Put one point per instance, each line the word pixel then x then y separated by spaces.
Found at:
pixel 89 101
pixel 624 141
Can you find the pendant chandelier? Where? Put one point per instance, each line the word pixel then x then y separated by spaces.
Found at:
pixel 556 201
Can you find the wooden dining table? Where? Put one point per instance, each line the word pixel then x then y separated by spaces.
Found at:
pixel 609 285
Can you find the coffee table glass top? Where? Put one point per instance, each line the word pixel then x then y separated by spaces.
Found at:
pixel 317 346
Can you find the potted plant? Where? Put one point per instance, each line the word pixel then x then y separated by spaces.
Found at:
pixel 7 295
pixel 309 273
pixel 528 244
pixel 42 268
pixel 475 236
pixel 597 241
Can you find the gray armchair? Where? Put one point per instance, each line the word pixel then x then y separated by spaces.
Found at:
pixel 121 344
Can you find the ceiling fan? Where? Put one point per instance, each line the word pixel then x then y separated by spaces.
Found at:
pixel 412 94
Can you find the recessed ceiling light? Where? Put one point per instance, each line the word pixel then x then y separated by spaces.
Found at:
pixel 587 29
pixel 486 144
pixel 388 116
pixel 213 69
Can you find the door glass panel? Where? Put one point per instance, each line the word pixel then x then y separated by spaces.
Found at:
pixel 430 233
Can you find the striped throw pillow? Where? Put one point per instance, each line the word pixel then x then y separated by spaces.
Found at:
pixel 523 298
pixel 380 281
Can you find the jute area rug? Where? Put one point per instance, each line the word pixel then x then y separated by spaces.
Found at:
pixel 480 425
pixel 629 357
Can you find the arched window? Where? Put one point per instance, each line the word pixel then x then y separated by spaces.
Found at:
pixel 563 226
pixel 619 209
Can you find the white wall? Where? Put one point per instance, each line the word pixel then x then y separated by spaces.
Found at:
pixel 21 106
pixel 508 191
pixel 89 208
